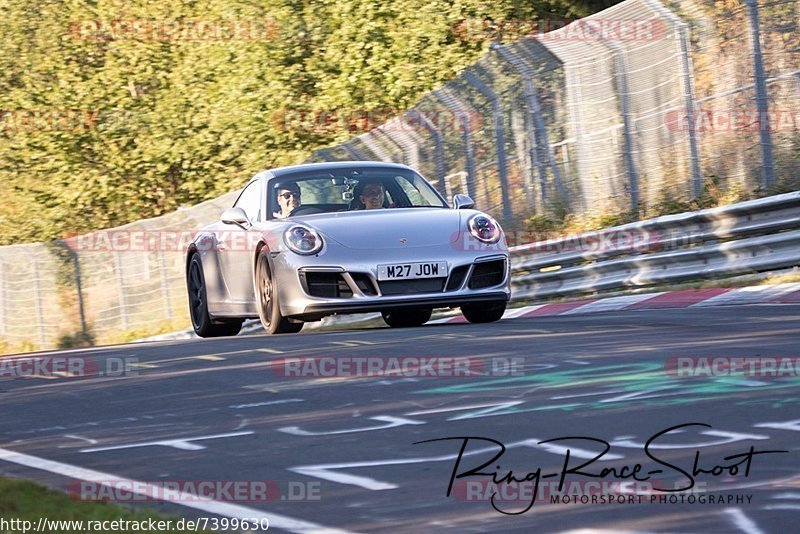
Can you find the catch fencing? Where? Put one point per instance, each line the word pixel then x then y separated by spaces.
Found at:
pixel 621 111
pixel 637 105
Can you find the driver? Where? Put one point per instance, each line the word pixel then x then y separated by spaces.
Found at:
pixel 288 200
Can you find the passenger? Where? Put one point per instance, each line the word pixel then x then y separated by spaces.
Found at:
pixel 372 195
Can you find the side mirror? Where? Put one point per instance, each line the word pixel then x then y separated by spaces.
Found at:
pixel 463 202
pixel 235 216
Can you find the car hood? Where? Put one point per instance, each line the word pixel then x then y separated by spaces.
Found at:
pixel 390 228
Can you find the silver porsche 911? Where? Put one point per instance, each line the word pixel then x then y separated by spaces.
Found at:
pixel 313 240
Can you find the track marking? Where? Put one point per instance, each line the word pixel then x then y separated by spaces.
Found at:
pixel 742 522
pixel 788 506
pixel 391 421
pixel 268 351
pixel 184 444
pixel 328 471
pixel 143 365
pixel 354 343
pixel 182 499
pixel 81 438
pixel 266 403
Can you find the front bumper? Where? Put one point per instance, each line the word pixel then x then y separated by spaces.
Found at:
pixel 313 287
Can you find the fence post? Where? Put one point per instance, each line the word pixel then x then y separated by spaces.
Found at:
pixel 588 194
pixel 500 140
pixel 621 75
pixel 73 255
pixel 3 303
pixel 690 101
pixel 691 106
pixel 457 107
pixel 37 289
pixel 164 284
pixel 623 93
pixel 79 290
pixel 539 140
pixel 438 150
pixel 767 162
pixel 120 291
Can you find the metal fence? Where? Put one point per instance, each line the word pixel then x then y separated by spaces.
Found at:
pixel 633 106
pixel 596 117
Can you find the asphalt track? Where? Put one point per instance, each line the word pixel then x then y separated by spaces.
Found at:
pixel 219 410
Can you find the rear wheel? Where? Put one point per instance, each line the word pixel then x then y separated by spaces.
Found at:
pixel 484 313
pixel 406 318
pixel 198 305
pixel 269 310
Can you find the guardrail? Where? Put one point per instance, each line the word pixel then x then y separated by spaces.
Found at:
pixel 753 236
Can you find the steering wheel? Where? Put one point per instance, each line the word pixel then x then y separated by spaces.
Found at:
pixel 305 210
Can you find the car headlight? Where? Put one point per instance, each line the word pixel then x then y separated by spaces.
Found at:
pixel 303 240
pixel 484 228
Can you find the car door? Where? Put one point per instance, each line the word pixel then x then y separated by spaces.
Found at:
pixel 234 245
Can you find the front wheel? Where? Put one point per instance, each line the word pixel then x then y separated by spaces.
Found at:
pixel 269 310
pixel 484 313
pixel 198 305
pixel 406 318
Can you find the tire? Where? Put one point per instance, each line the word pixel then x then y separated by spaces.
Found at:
pixel 269 310
pixel 198 305
pixel 484 313
pixel 407 318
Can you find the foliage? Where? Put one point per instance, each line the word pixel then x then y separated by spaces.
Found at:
pixel 168 122
pixel 669 203
pixel 30 502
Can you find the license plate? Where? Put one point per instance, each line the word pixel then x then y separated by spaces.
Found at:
pixel 408 271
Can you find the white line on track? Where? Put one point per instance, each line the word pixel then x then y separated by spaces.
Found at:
pixel 184 444
pixel 742 522
pixel 183 499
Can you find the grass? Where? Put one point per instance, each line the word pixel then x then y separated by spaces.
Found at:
pixel 27 501
pixel 787 278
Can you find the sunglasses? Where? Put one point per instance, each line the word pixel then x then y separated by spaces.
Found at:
pixel 287 196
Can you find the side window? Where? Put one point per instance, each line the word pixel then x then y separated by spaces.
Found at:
pixel 412 192
pixel 250 201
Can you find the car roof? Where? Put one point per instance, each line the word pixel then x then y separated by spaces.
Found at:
pixel 333 165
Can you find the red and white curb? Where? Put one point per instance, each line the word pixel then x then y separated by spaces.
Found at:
pixel 688 298
pixel 767 294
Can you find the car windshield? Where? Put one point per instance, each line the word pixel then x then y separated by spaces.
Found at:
pixel 340 190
